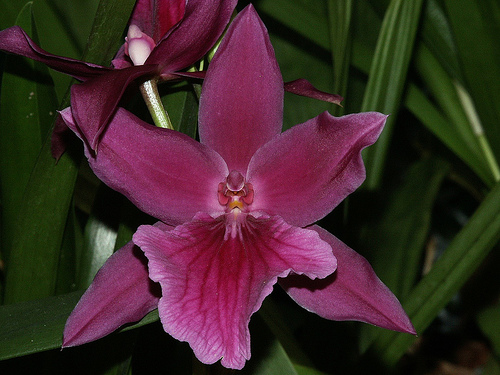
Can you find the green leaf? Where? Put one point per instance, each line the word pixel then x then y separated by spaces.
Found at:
pixel 308 21
pixel 27 108
pixel 188 123
pixel 306 370
pixel 300 36
pixel 436 122
pixel 490 325
pixel 476 29
pixel 274 319
pixel 295 62
pixel 442 88
pixel 107 30
pixel 36 326
pixel 71 243
pixel 388 76
pixel 10 11
pixel 32 269
pixel 64 27
pixel 399 236
pixel 130 218
pixel 397 239
pixel 438 38
pixel 99 235
pixel 181 103
pixel 462 257
pixel 340 13
pixel 268 355
pixel 429 114
pixel 447 93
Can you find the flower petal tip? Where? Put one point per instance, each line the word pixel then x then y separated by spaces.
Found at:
pixel 303 87
pixel 353 292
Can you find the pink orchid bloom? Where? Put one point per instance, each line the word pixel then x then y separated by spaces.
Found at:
pixel 236 212
pixel 164 37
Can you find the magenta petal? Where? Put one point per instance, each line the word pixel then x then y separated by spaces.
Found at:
pixel 163 172
pixel 211 286
pixel 203 23
pixel 94 101
pixel 305 88
pixel 313 166
pixel 157 17
pixel 120 293
pixel 15 40
pixel 241 104
pixel 353 292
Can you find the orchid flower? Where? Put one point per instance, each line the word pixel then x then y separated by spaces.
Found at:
pixel 164 38
pixel 236 212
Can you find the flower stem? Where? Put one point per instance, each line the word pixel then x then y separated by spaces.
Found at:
pixel 149 91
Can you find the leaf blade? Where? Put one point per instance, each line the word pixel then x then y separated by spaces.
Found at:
pixel 388 76
pixel 464 254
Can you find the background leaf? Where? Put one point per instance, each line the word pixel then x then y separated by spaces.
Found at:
pixel 396 239
pixel 64 27
pixel 32 268
pixel 35 326
pixel 27 108
pixel 447 275
pixel 388 76
pixel 476 45
pixel 340 14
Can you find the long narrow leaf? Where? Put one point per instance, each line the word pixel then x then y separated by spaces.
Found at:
pixel 490 325
pixel 99 235
pixel 446 277
pixel 64 27
pixel 32 269
pixel 340 13
pixel 109 24
pixel 268 355
pixel 36 326
pixel 397 240
pixel 388 76
pixel 309 21
pixel 431 116
pixel 10 11
pixel 438 37
pixel 27 106
pixel 444 92
pixel 436 122
pixel 476 29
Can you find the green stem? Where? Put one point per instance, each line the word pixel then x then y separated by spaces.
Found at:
pixel 149 91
